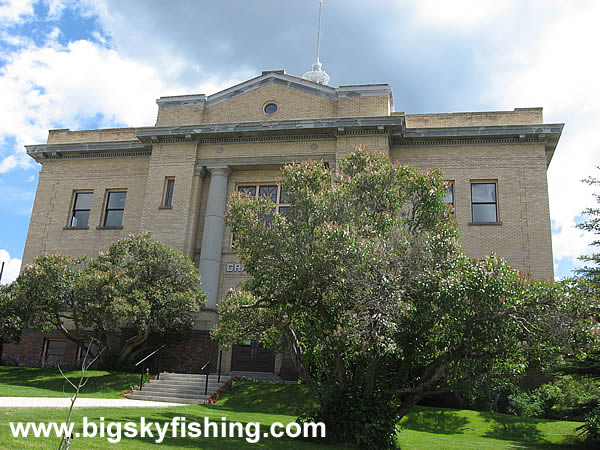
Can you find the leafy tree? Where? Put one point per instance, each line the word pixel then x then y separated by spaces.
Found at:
pixel 11 324
pixel 592 224
pixel 363 280
pixel 139 287
pixel 45 293
pixel 589 366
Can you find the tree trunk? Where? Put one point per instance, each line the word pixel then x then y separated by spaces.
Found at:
pixel 370 375
pixel 340 372
pixel 407 405
pixel 297 359
pixel 69 336
pixel 131 344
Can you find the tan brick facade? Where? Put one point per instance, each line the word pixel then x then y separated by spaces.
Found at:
pixel 475 119
pixel 524 236
pixel 229 134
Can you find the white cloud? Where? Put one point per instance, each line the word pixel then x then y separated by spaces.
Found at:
pixel 12 11
pixel 459 14
pixel 16 11
pixel 57 86
pixel 8 163
pixel 571 242
pixel 55 8
pixel 11 267
pixel 558 72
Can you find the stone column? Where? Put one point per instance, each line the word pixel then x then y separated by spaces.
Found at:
pixel 212 236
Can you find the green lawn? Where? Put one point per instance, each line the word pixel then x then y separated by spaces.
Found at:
pixel 423 428
pixel 48 382
pixel 248 402
pixel 462 429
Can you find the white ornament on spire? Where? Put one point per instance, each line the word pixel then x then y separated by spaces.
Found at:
pixel 317 75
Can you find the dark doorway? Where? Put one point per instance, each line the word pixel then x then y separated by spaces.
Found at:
pixel 250 356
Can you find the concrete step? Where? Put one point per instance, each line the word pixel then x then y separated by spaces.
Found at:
pixel 176 399
pixel 190 376
pixel 190 395
pixel 188 382
pixel 191 386
pixel 171 390
pixel 180 388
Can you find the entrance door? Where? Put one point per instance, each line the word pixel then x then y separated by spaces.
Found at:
pixel 251 357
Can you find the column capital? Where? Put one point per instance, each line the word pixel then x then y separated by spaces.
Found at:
pixel 200 171
pixel 219 169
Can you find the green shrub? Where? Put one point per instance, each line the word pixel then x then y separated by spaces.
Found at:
pixel 353 420
pixel 556 400
pixel 591 428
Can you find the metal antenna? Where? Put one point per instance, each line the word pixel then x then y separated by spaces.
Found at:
pixel 317 74
pixel 319 30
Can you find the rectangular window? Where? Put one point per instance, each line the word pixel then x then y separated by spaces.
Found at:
pixel 168 195
pixel 274 192
pixel 268 191
pixel 55 352
pixel 115 205
pixel 484 202
pixel 83 349
pixel 82 205
pixel 449 197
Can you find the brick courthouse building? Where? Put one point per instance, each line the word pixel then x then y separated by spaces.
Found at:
pixel 174 179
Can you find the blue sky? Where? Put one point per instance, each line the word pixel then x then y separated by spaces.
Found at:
pixel 91 63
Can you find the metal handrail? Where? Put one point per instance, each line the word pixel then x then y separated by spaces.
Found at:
pixel 204 369
pixel 144 359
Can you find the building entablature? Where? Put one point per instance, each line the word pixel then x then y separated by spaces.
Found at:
pixel 291 129
pixel 302 130
pixel 548 134
pixel 86 150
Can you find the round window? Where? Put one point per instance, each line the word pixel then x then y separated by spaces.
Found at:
pixel 270 108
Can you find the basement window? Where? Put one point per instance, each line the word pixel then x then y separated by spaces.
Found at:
pixel 83 349
pixel 54 352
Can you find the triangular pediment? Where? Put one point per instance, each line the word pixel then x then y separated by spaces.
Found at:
pixel 275 95
pixel 277 77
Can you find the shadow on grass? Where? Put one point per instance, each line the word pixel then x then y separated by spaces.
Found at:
pixel 515 428
pixel 438 422
pixel 50 379
pixel 521 432
pixel 269 398
pixel 524 430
